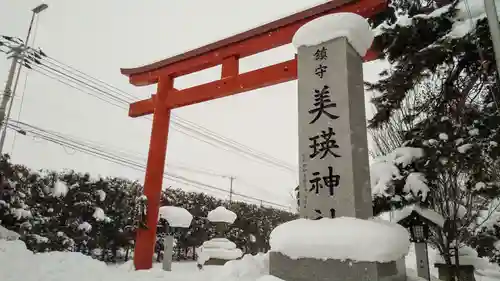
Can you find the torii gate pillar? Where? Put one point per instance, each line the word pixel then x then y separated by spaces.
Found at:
pixel 227 53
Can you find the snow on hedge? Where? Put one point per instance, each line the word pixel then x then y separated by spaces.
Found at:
pixel 176 216
pixel 85 226
pixel 221 214
pixel 349 25
pixel 60 189
pixel 343 238
pixel 20 213
pixel 99 215
pixel 385 169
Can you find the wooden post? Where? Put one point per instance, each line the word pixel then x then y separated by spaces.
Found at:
pixel 146 238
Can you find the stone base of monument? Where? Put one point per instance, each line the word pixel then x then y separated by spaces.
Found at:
pixel 218 251
pixel 307 269
pixel 340 249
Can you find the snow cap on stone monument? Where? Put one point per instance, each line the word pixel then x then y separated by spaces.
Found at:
pixel 221 214
pixel 176 216
pixel 352 26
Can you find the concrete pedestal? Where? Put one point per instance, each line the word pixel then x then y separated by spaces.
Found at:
pixel 307 269
pixel 167 252
pixel 466 272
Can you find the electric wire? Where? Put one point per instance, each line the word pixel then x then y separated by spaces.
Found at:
pixel 121 96
pixel 72 143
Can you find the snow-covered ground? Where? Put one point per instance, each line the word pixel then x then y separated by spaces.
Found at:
pixel 17 263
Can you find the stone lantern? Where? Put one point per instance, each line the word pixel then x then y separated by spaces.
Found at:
pixel 219 250
pixel 418 220
pixel 176 218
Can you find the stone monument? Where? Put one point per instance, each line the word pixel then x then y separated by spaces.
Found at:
pixel 335 192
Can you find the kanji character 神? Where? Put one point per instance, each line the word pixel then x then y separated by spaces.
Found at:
pixel 331 181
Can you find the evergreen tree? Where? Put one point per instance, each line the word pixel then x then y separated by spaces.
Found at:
pixel 445 44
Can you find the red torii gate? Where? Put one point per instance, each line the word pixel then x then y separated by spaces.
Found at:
pixel 226 52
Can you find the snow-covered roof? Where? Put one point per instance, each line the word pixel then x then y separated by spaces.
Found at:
pixel 221 214
pixel 399 215
pixel 343 238
pixel 176 216
pixel 350 25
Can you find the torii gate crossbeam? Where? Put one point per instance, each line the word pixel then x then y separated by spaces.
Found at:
pixel 227 53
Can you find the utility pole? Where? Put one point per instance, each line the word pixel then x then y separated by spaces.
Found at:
pixel 491 13
pixel 17 56
pixel 231 179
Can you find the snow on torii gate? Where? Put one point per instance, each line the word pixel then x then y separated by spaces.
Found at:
pixel 226 52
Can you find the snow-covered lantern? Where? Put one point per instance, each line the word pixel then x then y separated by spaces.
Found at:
pixel 221 217
pixel 176 218
pixel 219 250
pixel 418 221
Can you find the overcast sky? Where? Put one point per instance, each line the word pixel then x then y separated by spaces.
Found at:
pixel 99 37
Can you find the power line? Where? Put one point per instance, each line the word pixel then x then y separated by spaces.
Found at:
pixel 70 142
pixel 58 77
pixel 98 88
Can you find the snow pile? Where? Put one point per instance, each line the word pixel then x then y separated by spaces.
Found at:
pixel 6 234
pixel 221 214
pixel 176 216
pixel 15 258
pixel 341 238
pixel 219 248
pixel 247 268
pixel 466 256
pixel 349 25
pixel 22 264
pixel 429 214
pixel 269 278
